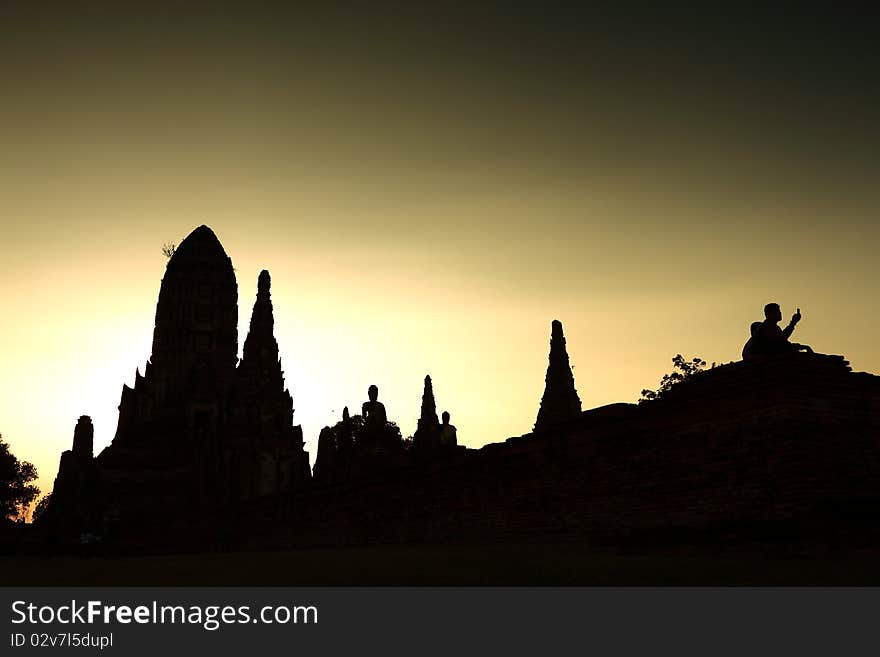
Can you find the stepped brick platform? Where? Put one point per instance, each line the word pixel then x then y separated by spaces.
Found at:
pixel 785 449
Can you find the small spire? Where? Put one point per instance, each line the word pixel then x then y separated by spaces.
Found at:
pixel 264 282
pixel 427 433
pixel 428 416
pixel 260 343
pixel 560 401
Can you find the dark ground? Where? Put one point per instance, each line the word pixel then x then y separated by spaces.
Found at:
pixel 443 565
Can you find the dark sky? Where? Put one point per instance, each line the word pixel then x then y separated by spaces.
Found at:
pixel 793 89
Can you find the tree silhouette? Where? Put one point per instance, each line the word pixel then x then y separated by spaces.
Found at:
pixel 16 490
pixel 682 371
pixel 41 507
pixel 168 249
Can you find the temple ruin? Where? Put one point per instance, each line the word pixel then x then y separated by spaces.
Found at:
pixel 199 434
pixel 777 448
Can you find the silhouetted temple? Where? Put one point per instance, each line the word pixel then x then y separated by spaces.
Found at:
pixel 782 448
pixel 198 433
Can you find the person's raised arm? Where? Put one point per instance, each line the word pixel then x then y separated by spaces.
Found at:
pixel 788 330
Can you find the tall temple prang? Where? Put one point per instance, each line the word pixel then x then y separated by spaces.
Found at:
pixel 195 349
pixel 195 341
pixel 560 402
pixel 197 433
pixel 167 445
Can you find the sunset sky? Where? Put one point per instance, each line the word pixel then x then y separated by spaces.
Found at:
pixel 429 189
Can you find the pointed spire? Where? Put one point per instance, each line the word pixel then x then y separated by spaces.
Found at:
pixel 428 417
pixel 428 430
pixel 560 401
pixel 345 416
pixel 259 372
pixel 260 344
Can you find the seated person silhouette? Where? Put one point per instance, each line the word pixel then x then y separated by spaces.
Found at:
pixel 447 432
pixel 768 339
pixel 750 348
pixel 373 411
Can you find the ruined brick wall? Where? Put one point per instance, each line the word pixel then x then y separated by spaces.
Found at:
pixel 743 451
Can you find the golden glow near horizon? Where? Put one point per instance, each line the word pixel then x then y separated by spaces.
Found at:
pixel 427 214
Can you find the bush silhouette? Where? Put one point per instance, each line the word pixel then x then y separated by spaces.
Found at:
pixel 682 371
pixel 41 507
